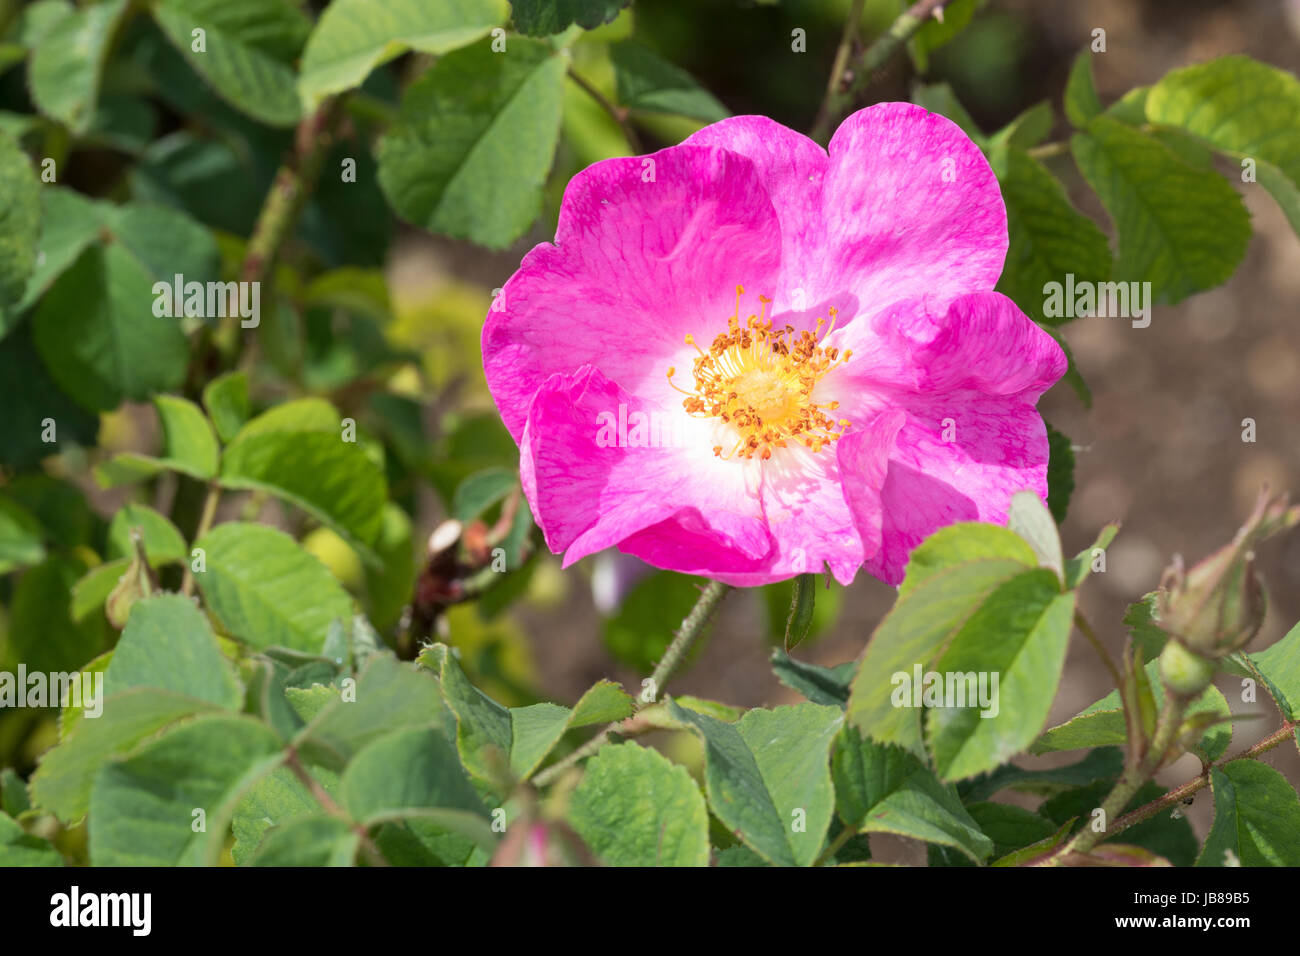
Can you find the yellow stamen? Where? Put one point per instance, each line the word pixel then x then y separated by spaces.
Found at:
pixel 760 380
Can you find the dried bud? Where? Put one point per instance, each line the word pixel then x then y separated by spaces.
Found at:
pixel 1218 606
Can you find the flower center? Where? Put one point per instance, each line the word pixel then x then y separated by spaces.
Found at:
pixel 759 380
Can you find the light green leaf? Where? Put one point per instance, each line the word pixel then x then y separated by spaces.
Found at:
pixel 277 799
pixel 949 577
pixel 142 807
pixel 353 37
pixel 648 82
pixel 1182 229
pixel 1020 633
pixel 248 48
pixel 535 730
pixel 481 491
pixel 768 777
pixel 1246 109
pixel 1079 567
pixel 226 399
pixel 1029 518
pixel 309 841
pixel 287 453
pixel 408 769
pixel 67 64
pixel 635 808
pixel 881 789
pixel 389 695
pixel 61 784
pixel 163 543
pixel 474 140
pixel 188 437
pixel 1008 827
pixel 1102 723
pixel 168 645
pixel 20 848
pixel 1081 102
pixel 1028 129
pixel 267 591
pixel 1256 817
pixel 1279 666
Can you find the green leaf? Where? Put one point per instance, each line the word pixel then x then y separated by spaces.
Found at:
pixel 1020 633
pixel 768 776
pixel 98 337
pixel 539 18
pixel 412 768
pixel 389 695
pixel 1244 108
pixel 20 224
pixel 474 140
pixel 1105 762
pixel 13 793
pixel 648 82
pixel 821 685
pixel 802 604
pixel 249 48
pixel 535 730
pixel 168 645
pixel 188 437
pixel 310 841
pixel 226 399
pixel 1081 102
pixel 1079 567
pixel 353 37
pixel 635 808
pixel 267 591
pixel 1028 129
pixel 67 64
pixel 1102 723
pixel 935 32
pixel 163 543
pixel 20 848
pixel 882 789
pixel 1060 474
pixel 42 632
pixel 62 782
pixel 1182 229
pixel 69 223
pixel 1049 237
pixel 1256 817
pixel 276 800
pixel 1279 666
pixel 21 537
pixel 297 452
pixel 1028 517
pixel 949 577
pixel 481 491
pixel 142 808
pixel 1008 827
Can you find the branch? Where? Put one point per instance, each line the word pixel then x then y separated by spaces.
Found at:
pixel 619 114
pixel 841 97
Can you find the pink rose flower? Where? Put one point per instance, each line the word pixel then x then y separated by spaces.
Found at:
pixel 743 357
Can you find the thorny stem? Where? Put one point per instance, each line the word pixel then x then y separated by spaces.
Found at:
pixel 619 114
pixel 691 628
pixel 864 67
pixel 1132 779
pixel 1085 628
pixel 331 806
pixel 851 25
pixel 283 205
pixel 205 523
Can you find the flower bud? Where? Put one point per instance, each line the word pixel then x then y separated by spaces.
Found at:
pixel 1218 606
